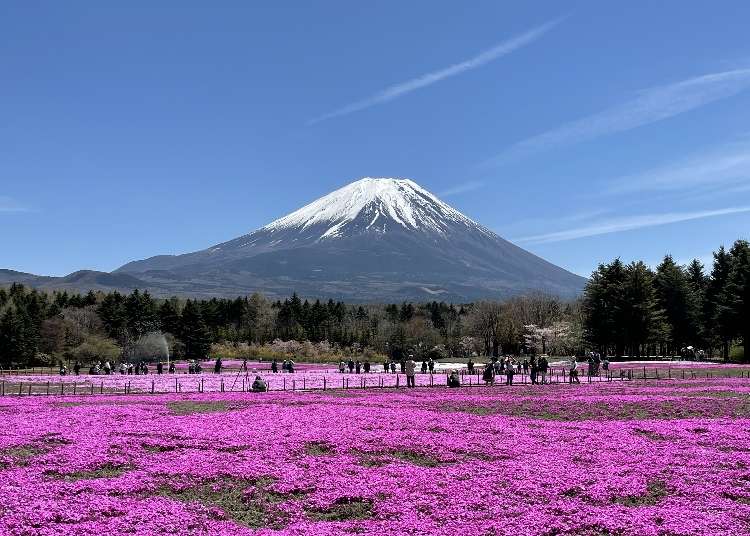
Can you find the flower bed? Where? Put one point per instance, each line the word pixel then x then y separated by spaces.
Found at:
pixel 660 458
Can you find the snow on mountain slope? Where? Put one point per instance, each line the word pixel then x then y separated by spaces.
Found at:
pixel 379 200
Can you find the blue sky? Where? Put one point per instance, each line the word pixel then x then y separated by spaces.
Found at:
pixel 581 131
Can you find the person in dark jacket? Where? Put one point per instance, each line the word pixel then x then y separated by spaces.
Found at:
pixel 534 367
pixel 454 380
pixel 274 366
pixel 489 374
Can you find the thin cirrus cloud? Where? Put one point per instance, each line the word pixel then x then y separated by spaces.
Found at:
pixel 8 205
pixel 628 224
pixel 399 90
pixel 649 106
pixel 461 188
pixel 722 167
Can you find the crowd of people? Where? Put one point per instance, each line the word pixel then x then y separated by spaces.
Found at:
pixel 537 368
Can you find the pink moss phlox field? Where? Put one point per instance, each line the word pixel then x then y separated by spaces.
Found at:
pixel 625 458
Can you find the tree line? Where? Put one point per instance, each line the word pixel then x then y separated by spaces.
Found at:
pixel 633 310
pixel 625 310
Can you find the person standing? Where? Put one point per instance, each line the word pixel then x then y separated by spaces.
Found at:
pixel 431 365
pixel 274 366
pixel 509 371
pixel 470 366
pixel 366 366
pixel 489 374
pixel 543 366
pixel 423 368
pixel 217 366
pixel 534 367
pixel 351 366
pixel 159 367
pixel 573 371
pixel 409 369
pixel 77 368
pixel 357 367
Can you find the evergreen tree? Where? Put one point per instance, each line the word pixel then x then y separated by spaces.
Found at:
pixel 643 318
pixel 737 294
pixel 717 311
pixel 194 333
pixel 169 317
pixel 12 344
pixel 675 298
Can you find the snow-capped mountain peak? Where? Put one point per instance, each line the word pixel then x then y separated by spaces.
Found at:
pixel 373 203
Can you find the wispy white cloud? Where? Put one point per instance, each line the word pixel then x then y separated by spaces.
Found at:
pixel 628 224
pixel 649 106
pixel 9 205
pixel 727 165
pixel 403 88
pixel 461 188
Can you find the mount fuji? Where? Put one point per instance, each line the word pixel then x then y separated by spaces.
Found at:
pixel 375 239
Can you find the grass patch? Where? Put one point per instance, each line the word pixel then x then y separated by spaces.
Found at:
pixel 190 407
pixel 742 499
pixel 319 448
pixel 380 458
pixel 107 470
pixel 247 502
pixel 656 436
pixel 344 509
pixel 656 490
pixel 20 455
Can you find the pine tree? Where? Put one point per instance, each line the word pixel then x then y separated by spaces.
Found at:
pixel 194 333
pixel 644 320
pixel 169 317
pixel 737 294
pixel 675 298
pixel 717 311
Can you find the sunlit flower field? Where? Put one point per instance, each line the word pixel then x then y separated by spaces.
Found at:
pixel 668 458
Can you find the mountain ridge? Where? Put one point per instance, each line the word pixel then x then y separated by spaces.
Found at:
pixel 375 239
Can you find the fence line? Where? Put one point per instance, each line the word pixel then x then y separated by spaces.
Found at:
pixel 93 385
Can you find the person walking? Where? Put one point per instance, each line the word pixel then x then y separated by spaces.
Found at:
pixel 409 369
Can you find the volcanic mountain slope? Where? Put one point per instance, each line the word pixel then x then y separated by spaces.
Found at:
pixel 372 240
